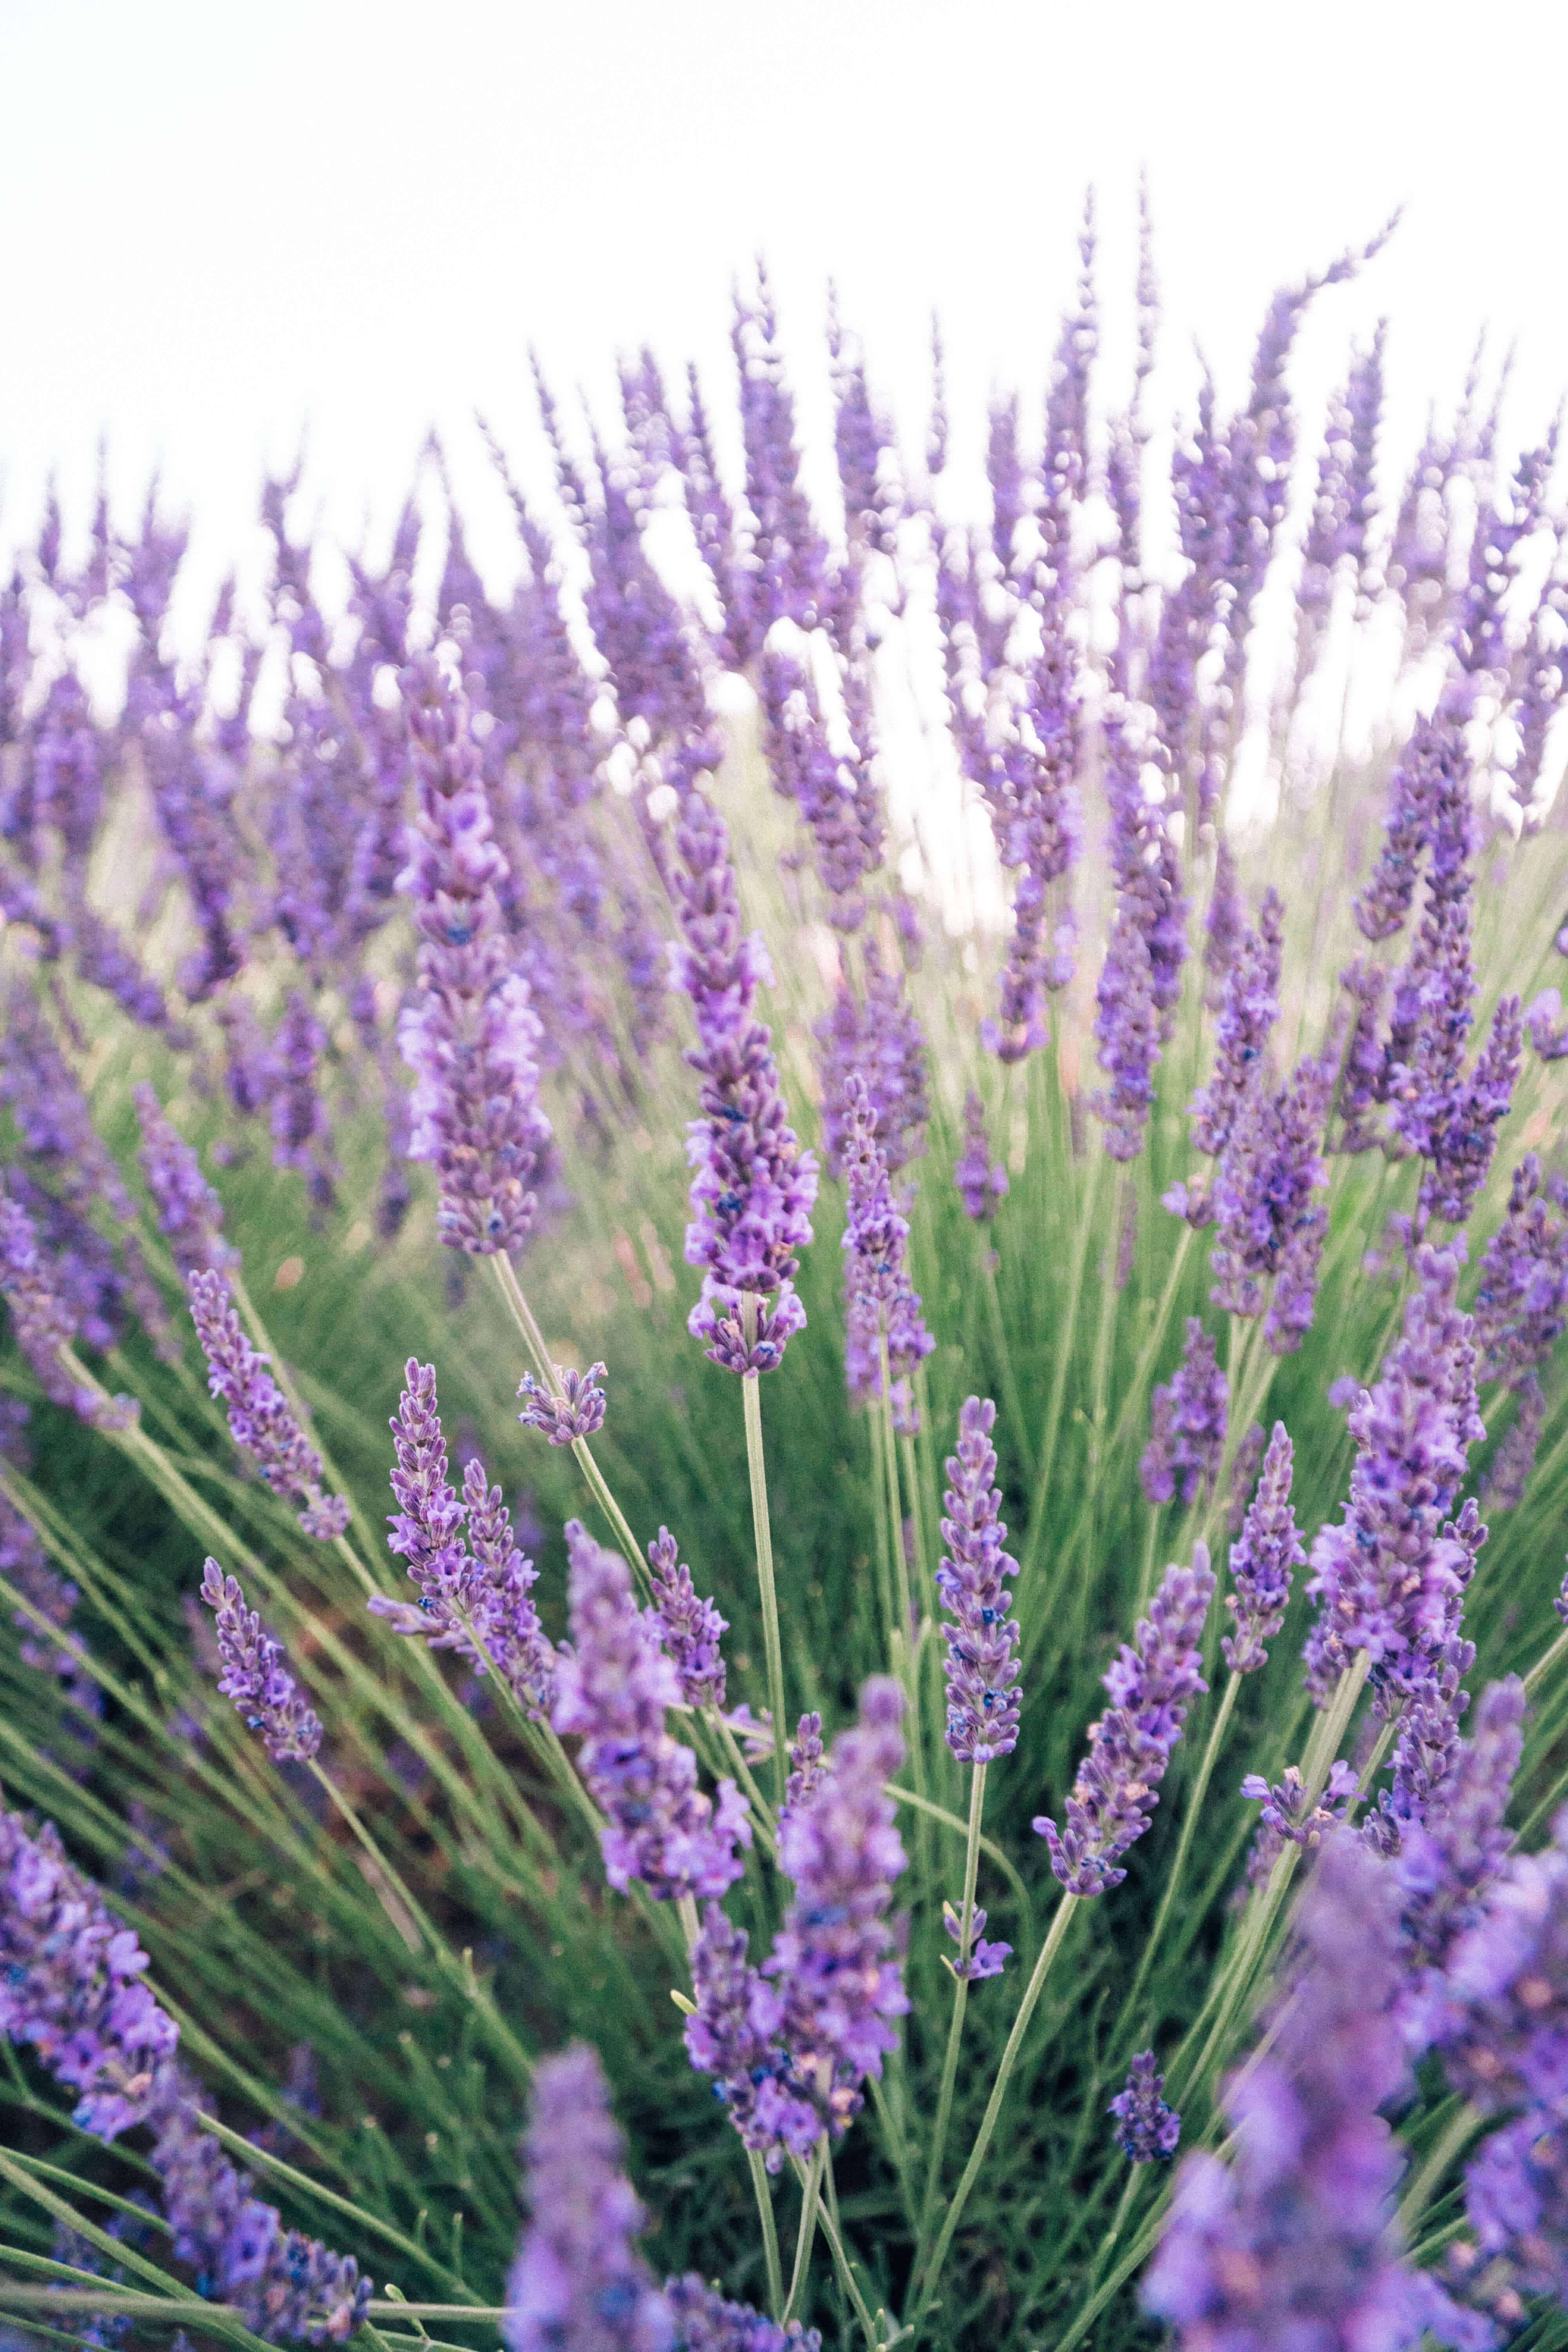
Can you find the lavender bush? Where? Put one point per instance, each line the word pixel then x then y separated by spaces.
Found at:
pixel 938 1718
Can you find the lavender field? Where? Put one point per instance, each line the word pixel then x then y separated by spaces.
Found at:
pixel 783 1465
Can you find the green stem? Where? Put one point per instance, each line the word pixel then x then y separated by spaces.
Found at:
pixel 960 2002
pixel 1049 1951
pixel 809 2200
pixel 752 1399
pixel 847 2278
pixel 1451 2144
pixel 762 2191
pixel 1184 1846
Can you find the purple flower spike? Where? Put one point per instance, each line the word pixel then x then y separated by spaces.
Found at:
pixel 1446 1826
pixel 1141 977
pixel 880 1301
pixel 706 2322
pixel 735 2034
pixel 70 1983
pixel 1362 1084
pixel 254 1675
pixel 1286 1813
pixel 475 1597
pixel 982 1671
pixel 754 1188
pixel 984 1959
pixel 260 1418
pixel 1187 1423
pixel 981 1182
pixel 689 1627
pixel 883 1040
pixel 1390 1579
pixel 805 1764
pixel 189 1213
pixel 578 2283
pixel 1146 2129
pixel 472 1036
pixel 1268 1224
pixel 1293 2243
pixel 283 2285
pixel 1250 1006
pixel 1521 1304
pixel 1263 1560
pixel 578 1412
pixel 1151 1685
pixel 836 1959
pixel 613 1687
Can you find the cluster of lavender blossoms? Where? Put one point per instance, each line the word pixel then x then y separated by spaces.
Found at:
pixel 71 1986
pixel 788 2045
pixel 261 1421
pixel 578 2283
pixel 982 1671
pixel 754 1188
pixel 613 1687
pixel 882 1306
pixel 1187 1417
pixel 474 1582
pixel 254 1675
pixel 1151 1685
pixel 471 1036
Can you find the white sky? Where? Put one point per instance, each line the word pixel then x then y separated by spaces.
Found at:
pixel 219 221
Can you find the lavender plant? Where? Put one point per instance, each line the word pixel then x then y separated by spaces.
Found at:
pixel 962 1932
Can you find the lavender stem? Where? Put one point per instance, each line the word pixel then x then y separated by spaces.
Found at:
pixel 847 2278
pixel 1065 1330
pixel 1049 1949
pixel 522 1315
pixel 764 2197
pixel 810 2201
pixel 752 1398
pixel 959 2002
pixel 1184 1846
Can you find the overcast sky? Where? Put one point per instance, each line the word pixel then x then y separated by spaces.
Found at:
pixel 220 223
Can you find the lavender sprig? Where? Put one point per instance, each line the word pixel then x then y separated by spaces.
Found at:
pixel 254 1675
pixel 260 1418
pixel 981 1182
pixel 982 1670
pixel 578 2283
pixel 1187 1417
pixel 1146 2129
pixel 753 1187
pixel 690 1628
pixel 613 1688
pixel 189 1213
pixel 472 1036
pixel 1262 1561
pixel 577 1412
pixel 882 1305
pixel 1151 1684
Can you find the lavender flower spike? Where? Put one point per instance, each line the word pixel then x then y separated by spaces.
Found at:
pixel 981 1182
pixel 836 1959
pixel 577 1412
pixel 706 2322
pixel 578 2283
pixel 1146 2128
pixel 753 1189
pixel 254 1675
pixel 613 1687
pixel 1187 1422
pixel 689 1627
pixel 189 1213
pixel 881 1304
pixel 44 1324
pixel 1293 2244
pixel 282 2284
pixel 1262 1561
pixel 260 1418
pixel 471 1037
pixel 475 1597
pixel 735 2033
pixel 1389 1579
pixel 70 1983
pixel 1151 1685
pixel 981 1671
